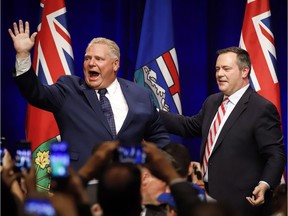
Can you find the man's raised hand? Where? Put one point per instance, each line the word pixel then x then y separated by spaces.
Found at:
pixel 23 43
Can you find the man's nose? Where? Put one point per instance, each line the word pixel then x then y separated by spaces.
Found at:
pixel 220 72
pixel 92 62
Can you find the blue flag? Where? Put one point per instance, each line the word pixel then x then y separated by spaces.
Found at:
pixel 157 65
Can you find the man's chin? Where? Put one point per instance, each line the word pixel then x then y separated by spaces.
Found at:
pixel 93 84
pixel 222 88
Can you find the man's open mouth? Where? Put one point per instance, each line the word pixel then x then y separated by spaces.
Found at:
pixel 93 74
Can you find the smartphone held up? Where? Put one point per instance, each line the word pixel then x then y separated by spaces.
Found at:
pixel 131 154
pixel 23 158
pixel 59 160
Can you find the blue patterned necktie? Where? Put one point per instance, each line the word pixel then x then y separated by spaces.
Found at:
pixel 107 110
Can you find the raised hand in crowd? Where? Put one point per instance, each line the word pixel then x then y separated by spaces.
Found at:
pixel 99 159
pixel 9 177
pixel 159 166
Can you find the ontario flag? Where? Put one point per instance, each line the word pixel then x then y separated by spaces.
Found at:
pixel 157 65
pixel 257 38
pixel 52 58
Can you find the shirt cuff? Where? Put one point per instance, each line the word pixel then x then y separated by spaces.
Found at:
pixel 265 183
pixel 22 65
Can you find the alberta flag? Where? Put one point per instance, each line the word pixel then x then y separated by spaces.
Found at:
pixel 157 65
pixel 52 58
pixel 257 38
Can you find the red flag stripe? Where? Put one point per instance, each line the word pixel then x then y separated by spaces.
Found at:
pixel 173 71
pixel 267 35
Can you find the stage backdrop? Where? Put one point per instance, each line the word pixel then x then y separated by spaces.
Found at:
pixel 200 29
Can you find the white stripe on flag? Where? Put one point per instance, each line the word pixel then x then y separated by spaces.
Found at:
pixel 45 68
pixel 252 73
pixel 267 47
pixel 177 101
pixel 165 71
pixel 61 44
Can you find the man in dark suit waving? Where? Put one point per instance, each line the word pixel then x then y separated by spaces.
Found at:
pixel 77 104
pixel 242 151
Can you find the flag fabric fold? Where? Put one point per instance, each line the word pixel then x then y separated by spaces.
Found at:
pixel 52 58
pixel 257 38
pixel 157 65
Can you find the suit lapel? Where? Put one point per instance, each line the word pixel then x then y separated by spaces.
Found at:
pixel 211 112
pixel 91 96
pixel 234 115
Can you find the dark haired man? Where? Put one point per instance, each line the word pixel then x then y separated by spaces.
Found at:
pixel 242 150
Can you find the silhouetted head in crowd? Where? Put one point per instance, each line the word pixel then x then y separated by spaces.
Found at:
pixel 119 190
pixel 279 200
pixel 213 209
pixel 180 158
pixel 11 205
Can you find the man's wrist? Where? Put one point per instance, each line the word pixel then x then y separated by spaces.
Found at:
pixel 22 65
pixel 22 55
pixel 84 180
pixel 265 183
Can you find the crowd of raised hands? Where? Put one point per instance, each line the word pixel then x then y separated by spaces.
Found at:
pixel 20 196
pixel 19 190
pixel 71 198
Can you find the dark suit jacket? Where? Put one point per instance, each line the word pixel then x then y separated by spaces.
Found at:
pixel 249 148
pixel 80 119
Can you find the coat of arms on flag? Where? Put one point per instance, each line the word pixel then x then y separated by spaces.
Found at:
pixel 157 65
pixel 161 76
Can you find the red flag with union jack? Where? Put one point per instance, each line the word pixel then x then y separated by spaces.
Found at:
pixel 257 38
pixel 53 57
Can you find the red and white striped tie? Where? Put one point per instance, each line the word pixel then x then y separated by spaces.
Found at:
pixel 212 133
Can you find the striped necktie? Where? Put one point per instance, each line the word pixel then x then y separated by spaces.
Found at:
pixel 212 133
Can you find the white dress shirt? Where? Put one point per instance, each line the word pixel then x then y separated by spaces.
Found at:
pixel 118 103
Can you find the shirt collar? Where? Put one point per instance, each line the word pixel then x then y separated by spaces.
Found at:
pixel 111 89
pixel 235 97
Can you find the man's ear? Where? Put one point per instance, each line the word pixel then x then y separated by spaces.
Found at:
pixel 245 72
pixel 116 65
pixel 145 178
